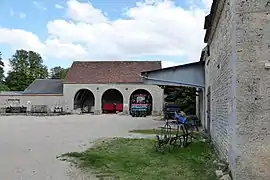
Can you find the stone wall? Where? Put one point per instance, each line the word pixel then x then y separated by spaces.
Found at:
pixel 240 83
pixel 252 48
pixel 67 100
pixel 29 101
pixel 218 73
pixel 126 90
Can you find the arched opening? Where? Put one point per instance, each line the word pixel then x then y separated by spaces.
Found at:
pixel 140 103
pixel 112 101
pixel 84 100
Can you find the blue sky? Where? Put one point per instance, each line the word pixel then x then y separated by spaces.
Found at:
pixel 67 30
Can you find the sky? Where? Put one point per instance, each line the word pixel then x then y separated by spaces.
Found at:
pixel 63 31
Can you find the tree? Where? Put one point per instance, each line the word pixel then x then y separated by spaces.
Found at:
pixel 2 76
pixel 58 72
pixel 3 87
pixel 26 66
pixel 184 96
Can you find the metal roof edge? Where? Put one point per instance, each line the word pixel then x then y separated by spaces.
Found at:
pixel 173 67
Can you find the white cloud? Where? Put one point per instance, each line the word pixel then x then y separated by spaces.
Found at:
pixel 58 6
pixel 155 27
pixel 39 5
pixel 207 3
pixel 19 38
pixel 20 14
pixel 64 50
pixel 84 12
pixel 168 64
pixel 6 67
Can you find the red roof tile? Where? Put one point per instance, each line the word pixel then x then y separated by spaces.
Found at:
pixel 98 72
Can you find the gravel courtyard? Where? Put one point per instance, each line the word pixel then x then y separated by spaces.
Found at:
pixel 29 145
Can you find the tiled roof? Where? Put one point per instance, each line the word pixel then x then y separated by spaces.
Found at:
pixel 98 72
pixel 45 86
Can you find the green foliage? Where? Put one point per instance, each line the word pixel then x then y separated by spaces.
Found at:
pixel 26 66
pixel 3 87
pixel 58 72
pixel 184 96
pixel 151 131
pixel 2 76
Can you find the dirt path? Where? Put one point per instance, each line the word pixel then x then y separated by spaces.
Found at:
pixel 29 145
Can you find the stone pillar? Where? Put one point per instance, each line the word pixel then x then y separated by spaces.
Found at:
pixel 201 107
pixel 197 103
pixel 98 104
pixel 126 106
pixel 158 101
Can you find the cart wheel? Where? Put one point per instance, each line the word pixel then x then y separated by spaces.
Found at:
pixel 157 143
pixel 185 142
pixel 180 141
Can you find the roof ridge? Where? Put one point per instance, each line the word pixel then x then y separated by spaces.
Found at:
pixel 121 61
pixel 48 79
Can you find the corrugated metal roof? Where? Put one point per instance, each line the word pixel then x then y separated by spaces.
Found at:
pixel 45 86
pixel 173 67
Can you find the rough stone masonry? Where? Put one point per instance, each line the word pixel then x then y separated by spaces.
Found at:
pixel 238 37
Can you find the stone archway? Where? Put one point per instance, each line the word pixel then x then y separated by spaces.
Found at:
pixel 84 100
pixel 141 96
pixel 112 101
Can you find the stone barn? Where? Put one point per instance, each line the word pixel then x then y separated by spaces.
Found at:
pixel 234 77
pixel 88 85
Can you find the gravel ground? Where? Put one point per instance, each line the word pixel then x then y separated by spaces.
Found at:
pixel 29 145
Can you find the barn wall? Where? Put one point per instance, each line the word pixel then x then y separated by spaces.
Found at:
pixel 126 90
pixel 219 80
pixel 239 86
pixel 252 51
pixel 67 100
pixel 50 101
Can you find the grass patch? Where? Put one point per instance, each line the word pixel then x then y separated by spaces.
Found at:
pixel 197 134
pixel 149 131
pixel 136 159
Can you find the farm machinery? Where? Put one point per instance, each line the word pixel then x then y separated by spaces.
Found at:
pixel 112 107
pixel 140 105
